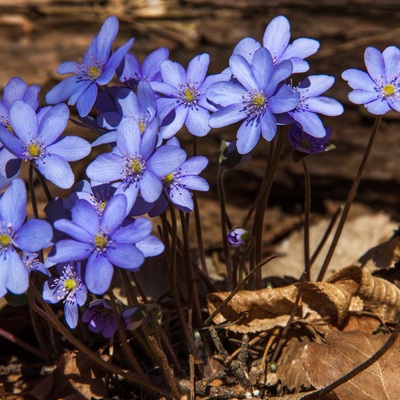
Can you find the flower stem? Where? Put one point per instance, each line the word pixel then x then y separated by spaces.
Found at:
pixel 307 206
pixel 349 200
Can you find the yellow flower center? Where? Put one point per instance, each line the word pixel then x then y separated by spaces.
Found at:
pixel 305 143
pixel 169 178
pixel 389 89
pixel 142 126
pixel 9 128
pixel 258 100
pixel 5 240
pixel 135 165
pixel 189 95
pixel 33 149
pixel 100 241
pixel 93 72
pixel 102 205
pixel 69 284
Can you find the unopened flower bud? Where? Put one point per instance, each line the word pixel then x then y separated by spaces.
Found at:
pixel 238 237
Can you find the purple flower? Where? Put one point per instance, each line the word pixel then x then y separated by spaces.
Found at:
pixel 379 89
pixel 98 68
pixel 16 236
pixel 32 263
pixel 311 103
pixel 238 237
pixel 15 89
pixel 136 164
pixel 141 107
pixel 69 288
pixel 255 98
pixel 183 100
pixel 180 182
pixel 276 40
pixel 130 72
pixel 36 138
pixel 103 242
pixel 100 316
pixel 307 144
pixel 96 194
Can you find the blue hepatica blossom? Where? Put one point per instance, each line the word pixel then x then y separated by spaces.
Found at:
pixel 183 100
pixel 103 242
pixel 36 138
pixel 140 106
pixel 69 288
pixel 180 182
pixel 130 72
pixel 255 98
pixel 97 194
pixel 379 89
pixel 100 317
pixel 16 237
pixel 15 89
pixel 135 163
pixel 312 103
pixel 307 144
pixel 276 39
pixel 97 68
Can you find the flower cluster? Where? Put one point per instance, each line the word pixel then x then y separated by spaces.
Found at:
pixel 101 225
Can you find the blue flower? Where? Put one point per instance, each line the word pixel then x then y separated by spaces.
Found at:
pixel 100 317
pixel 141 107
pixel 130 72
pixel 15 89
pixel 255 98
pixel 16 237
pixel 69 288
pixel 36 138
pixel 307 144
pixel 379 89
pixel 276 40
pixel 32 263
pixel 238 237
pixel 103 242
pixel 135 163
pixel 311 103
pixel 180 182
pixel 183 100
pixel 97 194
pixel 98 68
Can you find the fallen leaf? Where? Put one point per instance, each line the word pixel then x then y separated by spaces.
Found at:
pixel 343 351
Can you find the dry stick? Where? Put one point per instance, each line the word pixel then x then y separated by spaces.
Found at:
pixel 48 314
pixel 361 367
pixel 165 367
pixel 349 200
pixel 238 287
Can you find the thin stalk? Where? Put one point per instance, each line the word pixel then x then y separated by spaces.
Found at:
pixel 174 274
pixel 326 235
pixel 32 192
pixel 47 313
pixel 307 207
pixel 46 190
pixel 191 282
pixel 261 206
pixel 349 201
pixel 225 223
pixel 127 348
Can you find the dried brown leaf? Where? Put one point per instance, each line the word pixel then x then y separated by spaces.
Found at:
pixel 385 255
pixel 254 311
pixel 343 351
pixel 379 296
